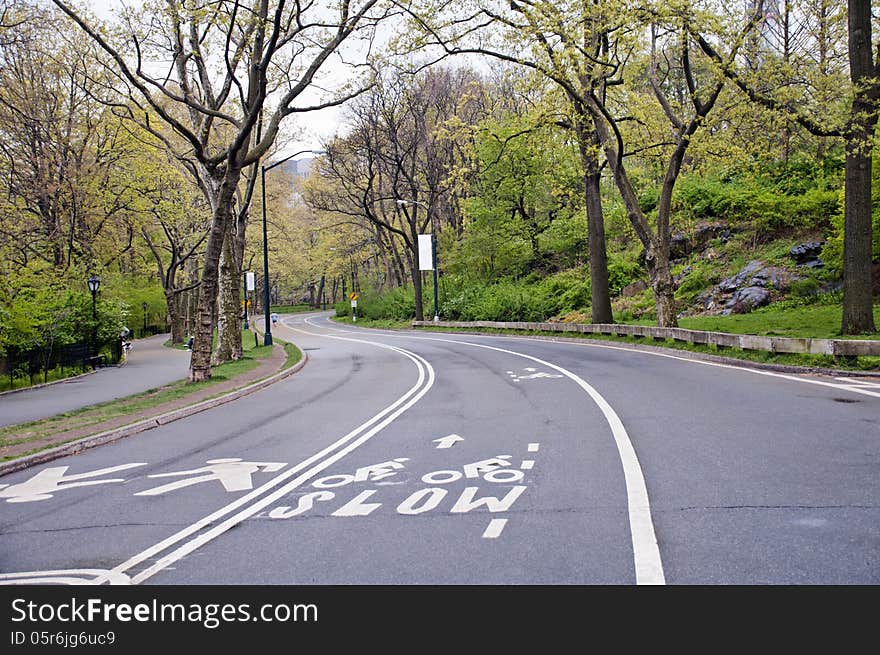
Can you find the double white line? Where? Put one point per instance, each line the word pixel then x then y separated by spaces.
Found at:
pixel 184 542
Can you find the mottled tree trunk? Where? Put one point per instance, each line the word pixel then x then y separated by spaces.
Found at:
pixel 200 362
pixel 229 346
pixel 660 275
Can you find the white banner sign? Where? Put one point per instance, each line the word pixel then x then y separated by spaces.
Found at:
pixel 249 278
pixel 426 259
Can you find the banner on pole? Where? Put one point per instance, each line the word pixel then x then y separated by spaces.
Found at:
pixel 426 258
pixel 249 280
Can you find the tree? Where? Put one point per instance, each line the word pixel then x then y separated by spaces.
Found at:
pixel 815 111
pixel 261 50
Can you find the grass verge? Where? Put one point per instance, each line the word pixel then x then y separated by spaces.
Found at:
pixel 138 405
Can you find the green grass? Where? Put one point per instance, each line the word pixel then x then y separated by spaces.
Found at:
pixel 95 414
pixel 291 309
pixel 385 323
pixel 815 321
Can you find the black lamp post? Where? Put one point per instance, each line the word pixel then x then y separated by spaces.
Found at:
pixel 433 250
pixel 94 283
pixel 267 339
pixel 144 306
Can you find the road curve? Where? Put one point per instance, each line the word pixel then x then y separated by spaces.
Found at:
pixel 437 458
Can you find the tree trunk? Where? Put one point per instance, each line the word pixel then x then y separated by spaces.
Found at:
pixel 660 274
pixel 200 362
pixel 229 346
pixel 174 302
pixel 858 316
pixel 599 286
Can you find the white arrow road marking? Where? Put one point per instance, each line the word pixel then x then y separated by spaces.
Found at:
pixel 50 481
pixel 447 442
pixel 206 529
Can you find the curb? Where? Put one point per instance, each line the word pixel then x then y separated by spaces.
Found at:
pixel 684 354
pixel 144 424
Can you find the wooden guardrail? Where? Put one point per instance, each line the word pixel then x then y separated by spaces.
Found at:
pixel 835 347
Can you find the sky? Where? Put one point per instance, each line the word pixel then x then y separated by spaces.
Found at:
pixel 310 129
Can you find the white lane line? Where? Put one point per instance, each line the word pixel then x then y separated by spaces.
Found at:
pixel 533 447
pixel 844 387
pixel 646 553
pixel 493 530
pixel 267 500
pixel 426 373
pixel 527 464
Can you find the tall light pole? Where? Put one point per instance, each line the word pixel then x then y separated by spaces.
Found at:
pixel 267 338
pixel 402 203
pixel 94 283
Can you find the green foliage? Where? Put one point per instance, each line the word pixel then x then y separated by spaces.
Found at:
pixel 756 203
pixel 832 253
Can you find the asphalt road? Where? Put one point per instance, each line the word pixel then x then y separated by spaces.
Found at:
pixel 148 365
pixel 398 458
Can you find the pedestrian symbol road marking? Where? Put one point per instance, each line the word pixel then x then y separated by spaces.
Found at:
pixel 231 472
pixel 50 481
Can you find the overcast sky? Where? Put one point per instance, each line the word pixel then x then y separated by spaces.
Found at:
pixel 311 128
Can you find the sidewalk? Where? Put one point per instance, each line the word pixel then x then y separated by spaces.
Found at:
pixel 148 365
pixel 265 368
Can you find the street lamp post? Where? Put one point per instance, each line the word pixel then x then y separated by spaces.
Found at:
pixel 267 338
pixel 144 306
pixel 94 283
pixel 402 202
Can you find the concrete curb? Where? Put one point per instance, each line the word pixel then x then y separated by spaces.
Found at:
pixel 145 424
pixel 835 347
pixel 684 354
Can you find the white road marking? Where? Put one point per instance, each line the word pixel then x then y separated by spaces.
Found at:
pixel 533 447
pixel 584 343
pixel 527 464
pixel 321 461
pixel 447 442
pixel 231 472
pixel 66 576
pixel 493 530
pixel 50 481
pixel 646 553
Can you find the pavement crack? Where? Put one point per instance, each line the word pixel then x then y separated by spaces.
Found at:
pixel 93 527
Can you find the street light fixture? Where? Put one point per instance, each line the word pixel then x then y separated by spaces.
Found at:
pixel 267 337
pixel 94 283
pixel 403 203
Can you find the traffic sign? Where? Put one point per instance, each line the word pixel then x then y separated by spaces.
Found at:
pixel 354 295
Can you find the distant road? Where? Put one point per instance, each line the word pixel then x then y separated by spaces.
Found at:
pixel 149 365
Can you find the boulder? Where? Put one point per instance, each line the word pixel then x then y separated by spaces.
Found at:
pixel 747 299
pixel 733 283
pixel 807 253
